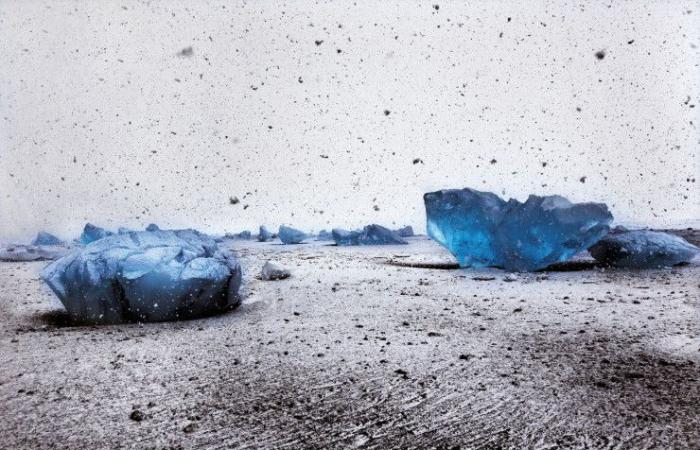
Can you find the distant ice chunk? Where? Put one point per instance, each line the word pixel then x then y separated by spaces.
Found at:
pixel 264 234
pixel 21 253
pixel 324 235
pixel 289 235
pixel 92 233
pixel 370 235
pixel 44 238
pixel 124 230
pixel 146 276
pixel 344 237
pixel 242 236
pixel 643 249
pixel 152 227
pixel 481 229
pixel 406 231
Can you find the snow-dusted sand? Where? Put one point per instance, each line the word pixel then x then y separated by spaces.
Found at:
pixel 355 352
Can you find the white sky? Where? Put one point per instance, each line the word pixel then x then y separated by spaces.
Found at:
pixel 102 121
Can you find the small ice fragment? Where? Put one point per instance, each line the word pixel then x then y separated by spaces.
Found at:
pixel 272 271
pixel 643 249
pixel 152 227
pixel 289 235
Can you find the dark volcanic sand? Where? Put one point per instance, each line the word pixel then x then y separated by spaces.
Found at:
pixel 352 352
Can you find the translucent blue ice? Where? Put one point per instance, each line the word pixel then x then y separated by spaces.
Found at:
pixel 264 234
pixel 289 235
pixel 44 238
pixel 92 233
pixel 481 229
pixel 369 235
pixel 324 235
pixel 31 252
pixel 242 236
pixel 643 249
pixel 406 231
pixel 146 276
pixel 152 227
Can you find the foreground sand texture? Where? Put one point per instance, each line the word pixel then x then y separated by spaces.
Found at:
pixel 354 352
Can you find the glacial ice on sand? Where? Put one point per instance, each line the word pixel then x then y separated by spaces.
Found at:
pixel 264 234
pixel 481 229
pixel 146 276
pixel 44 238
pixel 643 249
pixel 32 252
pixel 370 235
pixel 406 231
pixel 273 271
pixel 289 235
pixel 324 235
pixel 92 233
pixel 242 236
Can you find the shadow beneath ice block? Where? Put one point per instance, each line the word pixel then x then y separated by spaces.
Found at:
pixel 575 265
pixel 58 318
pixel 572 266
pixel 423 265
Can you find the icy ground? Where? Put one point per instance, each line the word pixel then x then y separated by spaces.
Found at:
pixel 352 352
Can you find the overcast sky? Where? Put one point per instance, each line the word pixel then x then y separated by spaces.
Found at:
pixel 319 115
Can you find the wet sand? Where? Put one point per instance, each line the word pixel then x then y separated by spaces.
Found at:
pixel 356 352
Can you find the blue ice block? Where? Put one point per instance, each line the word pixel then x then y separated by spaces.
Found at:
pixel 146 276
pixel 406 231
pixel 289 235
pixel 481 229
pixel 264 234
pixel 324 235
pixel 93 233
pixel 370 235
pixel 44 238
pixel 643 249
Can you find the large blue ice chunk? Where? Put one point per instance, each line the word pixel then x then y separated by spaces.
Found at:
pixel 643 249
pixel 146 276
pixel 481 229
pixel 370 235
pixel 44 238
pixel 289 235
pixel 92 233
pixel 264 234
